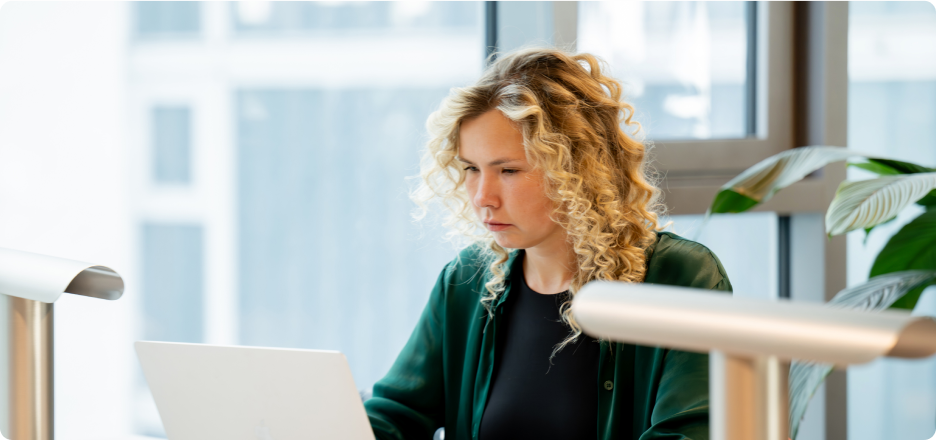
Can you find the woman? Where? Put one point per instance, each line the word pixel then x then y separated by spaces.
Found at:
pixel 535 152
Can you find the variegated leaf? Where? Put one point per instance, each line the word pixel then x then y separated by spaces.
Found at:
pixel 866 203
pixel 760 182
pixel 876 294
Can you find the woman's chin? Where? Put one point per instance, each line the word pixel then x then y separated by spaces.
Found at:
pixel 508 242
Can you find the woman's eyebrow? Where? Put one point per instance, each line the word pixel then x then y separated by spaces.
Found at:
pixel 493 163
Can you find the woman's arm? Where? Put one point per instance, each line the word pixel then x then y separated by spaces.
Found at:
pixel 409 401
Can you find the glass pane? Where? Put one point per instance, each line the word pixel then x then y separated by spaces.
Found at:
pixel 737 240
pixel 684 64
pixel 524 23
pixel 172 282
pixel 173 297
pixel 172 138
pixel 162 19
pixel 325 230
pixel 891 109
pixel 283 18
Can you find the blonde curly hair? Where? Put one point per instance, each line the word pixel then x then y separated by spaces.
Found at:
pixel 571 116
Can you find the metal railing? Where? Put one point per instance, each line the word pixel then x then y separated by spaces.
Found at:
pixel 751 341
pixel 31 283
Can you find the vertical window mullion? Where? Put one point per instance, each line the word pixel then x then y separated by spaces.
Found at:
pixel 490 31
pixel 783 256
pixel 750 99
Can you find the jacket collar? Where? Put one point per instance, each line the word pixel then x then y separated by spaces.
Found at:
pixel 514 254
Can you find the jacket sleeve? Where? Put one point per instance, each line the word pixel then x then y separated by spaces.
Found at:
pixel 409 401
pixel 681 411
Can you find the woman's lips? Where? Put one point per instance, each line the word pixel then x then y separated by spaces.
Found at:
pixel 495 227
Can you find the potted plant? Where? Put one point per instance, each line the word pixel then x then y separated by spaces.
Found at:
pixel 903 268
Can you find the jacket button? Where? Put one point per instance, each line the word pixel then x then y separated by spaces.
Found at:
pixel 609 385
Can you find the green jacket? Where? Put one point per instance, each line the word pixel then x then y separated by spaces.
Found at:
pixel 443 375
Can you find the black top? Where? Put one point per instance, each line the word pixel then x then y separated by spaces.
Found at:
pixel 530 398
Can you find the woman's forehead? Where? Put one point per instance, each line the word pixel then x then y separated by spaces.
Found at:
pixel 490 137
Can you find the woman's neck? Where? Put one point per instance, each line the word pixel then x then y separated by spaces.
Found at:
pixel 548 268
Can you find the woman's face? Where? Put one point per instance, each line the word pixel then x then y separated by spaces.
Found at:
pixel 508 195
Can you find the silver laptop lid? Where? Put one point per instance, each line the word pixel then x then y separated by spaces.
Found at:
pixel 243 393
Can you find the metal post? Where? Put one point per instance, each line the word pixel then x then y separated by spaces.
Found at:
pixel 31 386
pixel 749 397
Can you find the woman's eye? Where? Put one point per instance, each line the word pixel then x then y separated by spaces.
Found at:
pixel 509 171
pixel 471 168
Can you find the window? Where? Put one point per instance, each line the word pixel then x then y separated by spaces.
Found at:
pixel 309 117
pixel 891 109
pixel 172 148
pixel 746 244
pixel 173 281
pixel 167 19
pixel 331 257
pixel 718 108
pixel 685 65
pixel 172 298
pixel 298 18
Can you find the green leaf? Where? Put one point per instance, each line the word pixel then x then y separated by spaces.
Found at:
pixel 760 182
pixel 912 247
pixel 875 168
pixel 901 167
pixel 730 201
pixel 876 294
pixel 866 203
pixel 929 200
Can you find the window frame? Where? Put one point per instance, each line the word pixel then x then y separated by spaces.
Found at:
pixel 692 171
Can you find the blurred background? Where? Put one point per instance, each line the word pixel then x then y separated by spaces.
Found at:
pixel 244 167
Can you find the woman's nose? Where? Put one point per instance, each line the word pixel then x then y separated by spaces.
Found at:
pixel 486 195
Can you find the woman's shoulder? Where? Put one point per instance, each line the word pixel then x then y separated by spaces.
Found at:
pixel 470 262
pixel 471 266
pixel 678 261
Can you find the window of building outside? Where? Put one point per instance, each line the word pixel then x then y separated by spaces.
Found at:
pixel 316 124
pixel 156 19
pixel 172 145
pixel 891 113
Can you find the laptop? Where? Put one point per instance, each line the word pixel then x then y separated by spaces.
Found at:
pixel 246 393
